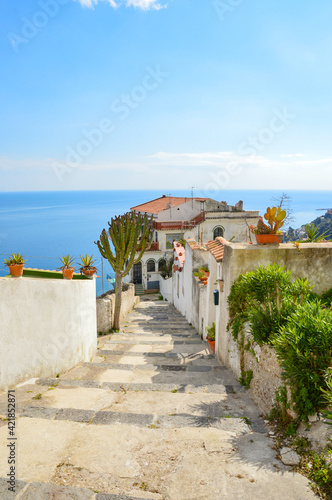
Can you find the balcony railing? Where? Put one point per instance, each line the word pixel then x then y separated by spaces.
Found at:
pixel 153 248
pixel 179 224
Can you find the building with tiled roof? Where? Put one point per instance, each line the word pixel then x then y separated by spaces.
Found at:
pixel 216 248
pixel 154 207
pixel 194 218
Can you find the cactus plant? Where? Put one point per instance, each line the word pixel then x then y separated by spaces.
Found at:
pixel 276 218
pixel 127 232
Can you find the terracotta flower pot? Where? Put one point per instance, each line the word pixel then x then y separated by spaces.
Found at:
pixel 89 272
pixel 265 239
pixel 16 270
pixel 212 346
pixel 68 273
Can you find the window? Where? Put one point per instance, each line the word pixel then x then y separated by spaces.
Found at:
pixel 218 231
pixel 151 266
pixel 161 264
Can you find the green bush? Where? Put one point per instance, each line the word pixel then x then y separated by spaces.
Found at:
pixel 326 298
pixel 304 349
pixel 265 298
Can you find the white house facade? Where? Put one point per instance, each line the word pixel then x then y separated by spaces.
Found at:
pixel 180 218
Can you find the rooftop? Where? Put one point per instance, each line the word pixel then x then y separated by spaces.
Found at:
pixel 162 203
pixel 216 247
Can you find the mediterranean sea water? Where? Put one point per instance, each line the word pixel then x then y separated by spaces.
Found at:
pixel 45 225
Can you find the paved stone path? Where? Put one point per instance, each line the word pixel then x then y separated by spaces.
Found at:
pixel 153 416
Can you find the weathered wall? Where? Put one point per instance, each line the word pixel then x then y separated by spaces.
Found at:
pixel 179 291
pixel 212 285
pixel 106 306
pixel 199 304
pixel 166 288
pixel 313 261
pixel 47 327
pixel 266 378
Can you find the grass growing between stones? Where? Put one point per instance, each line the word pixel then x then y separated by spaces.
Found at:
pixel 317 467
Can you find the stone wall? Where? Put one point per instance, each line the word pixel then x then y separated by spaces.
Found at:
pixel 312 261
pixel 266 378
pixel 106 306
pixel 47 327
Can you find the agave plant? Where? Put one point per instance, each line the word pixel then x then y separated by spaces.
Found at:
pixel 312 233
pixel 14 260
pixel 87 261
pixel 66 261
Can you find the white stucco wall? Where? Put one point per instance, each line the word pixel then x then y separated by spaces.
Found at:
pixel 179 291
pixel 166 288
pixel 183 212
pixel 47 327
pixel 234 224
pixel 212 285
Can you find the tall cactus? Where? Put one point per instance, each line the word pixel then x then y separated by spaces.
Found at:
pixel 127 232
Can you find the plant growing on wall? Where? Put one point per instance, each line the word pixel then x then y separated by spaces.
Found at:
pixel 67 266
pixel 15 263
pixel 312 234
pixel 265 298
pixel 126 232
pixel 304 348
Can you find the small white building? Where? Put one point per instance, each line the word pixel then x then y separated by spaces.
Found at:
pixel 181 218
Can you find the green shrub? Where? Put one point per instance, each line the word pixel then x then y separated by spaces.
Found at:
pixel 304 349
pixel 265 298
pixel 326 298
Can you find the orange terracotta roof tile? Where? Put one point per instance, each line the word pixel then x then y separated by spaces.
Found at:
pixel 160 204
pixel 194 245
pixel 216 247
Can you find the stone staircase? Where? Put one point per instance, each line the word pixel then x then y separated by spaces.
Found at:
pixel 153 416
pixel 139 290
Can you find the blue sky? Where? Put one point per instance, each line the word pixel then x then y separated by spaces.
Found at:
pixel 129 94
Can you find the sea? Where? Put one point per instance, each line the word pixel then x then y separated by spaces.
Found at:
pixel 43 226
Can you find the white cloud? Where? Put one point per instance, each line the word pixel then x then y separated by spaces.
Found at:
pixel 172 171
pixel 140 4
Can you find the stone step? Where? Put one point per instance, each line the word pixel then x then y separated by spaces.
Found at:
pixel 172 355
pixel 169 334
pixel 144 387
pixel 152 421
pixel 43 491
pixel 159 348
pixel 154 359
pixel 155 342
pixel 158 368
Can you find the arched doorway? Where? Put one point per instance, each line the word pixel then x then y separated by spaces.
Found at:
pixel 137 273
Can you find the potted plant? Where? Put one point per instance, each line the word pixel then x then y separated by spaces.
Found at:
pixel 203 273
pixel 67 267
pixel 211 337
pixel 88 269
pixel 270 233
pixel 15 264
